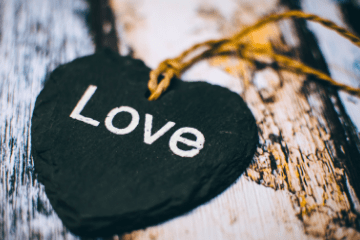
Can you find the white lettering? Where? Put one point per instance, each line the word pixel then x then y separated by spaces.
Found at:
pixel 135 118
pixel 75 114
pixel 148 139
pixel 198 144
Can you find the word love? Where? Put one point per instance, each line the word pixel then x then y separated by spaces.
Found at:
pixel 197 145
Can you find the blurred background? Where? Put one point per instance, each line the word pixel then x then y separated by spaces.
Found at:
pixel 304 181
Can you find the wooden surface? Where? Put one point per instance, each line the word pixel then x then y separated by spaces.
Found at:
pixel 36 36
pixel 302 183
pixel 342 57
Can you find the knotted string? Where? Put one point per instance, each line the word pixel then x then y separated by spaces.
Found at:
pixel 246 50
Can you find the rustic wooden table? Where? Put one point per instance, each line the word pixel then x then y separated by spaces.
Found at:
pixel 304 181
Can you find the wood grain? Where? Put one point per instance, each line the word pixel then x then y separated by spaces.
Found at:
pixel 341 60
pixel 342 57
pixel 36 36
pixel 298 166
pixel 297 187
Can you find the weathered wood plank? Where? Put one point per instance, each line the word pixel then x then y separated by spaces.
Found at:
pixel 306 193
pixel 342 57
pixel 35 37
pixel 293 190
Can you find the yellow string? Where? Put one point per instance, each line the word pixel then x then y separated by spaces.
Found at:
pixel 247 51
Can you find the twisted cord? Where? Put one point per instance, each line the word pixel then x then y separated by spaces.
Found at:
pixel 296 66
pixel 170 68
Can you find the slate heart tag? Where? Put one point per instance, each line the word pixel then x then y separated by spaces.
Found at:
pixel 112 161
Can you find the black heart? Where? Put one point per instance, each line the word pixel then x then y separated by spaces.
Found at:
pixel 101 183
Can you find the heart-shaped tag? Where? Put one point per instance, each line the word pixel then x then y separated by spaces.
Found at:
pixel 112 161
